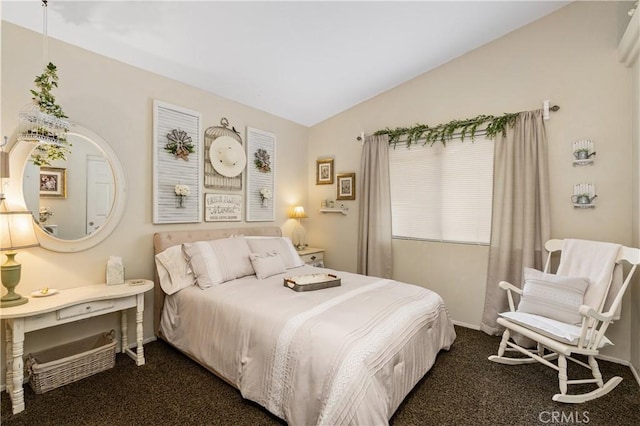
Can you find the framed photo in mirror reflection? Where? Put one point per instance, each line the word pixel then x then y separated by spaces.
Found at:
pixel 53 182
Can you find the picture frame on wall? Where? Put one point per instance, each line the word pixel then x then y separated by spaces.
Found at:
pixel 324 171
pixel 346 188
pixel 53 182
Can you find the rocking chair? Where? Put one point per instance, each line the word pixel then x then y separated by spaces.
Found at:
pixel 545 313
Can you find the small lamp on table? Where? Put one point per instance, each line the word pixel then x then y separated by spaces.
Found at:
pixel 16 232
pixel 300 233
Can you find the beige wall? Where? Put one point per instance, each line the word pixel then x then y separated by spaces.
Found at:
pixel 568 57
pixel 115 101
pixel 635 290
pixel 635 108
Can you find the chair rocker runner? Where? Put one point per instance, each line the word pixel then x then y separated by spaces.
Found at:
pixel 552 327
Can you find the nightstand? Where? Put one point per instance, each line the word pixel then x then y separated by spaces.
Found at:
pixel 312 256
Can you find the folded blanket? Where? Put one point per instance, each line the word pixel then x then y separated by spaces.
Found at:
pixel 596 261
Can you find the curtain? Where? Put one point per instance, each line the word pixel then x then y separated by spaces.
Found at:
pixel 520 223
pixel 374 225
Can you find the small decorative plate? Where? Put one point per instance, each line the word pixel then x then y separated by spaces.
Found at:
pixel 39 293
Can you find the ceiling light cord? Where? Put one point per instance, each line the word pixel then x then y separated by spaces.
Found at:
pixel 45 47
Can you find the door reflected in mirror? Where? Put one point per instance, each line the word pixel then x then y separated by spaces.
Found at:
pixel 72 198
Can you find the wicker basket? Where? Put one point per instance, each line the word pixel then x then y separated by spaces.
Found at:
pixel 68 363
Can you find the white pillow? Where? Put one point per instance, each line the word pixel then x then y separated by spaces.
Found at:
pixel 217 261
pixel 173 270
pixel 282 245
pixel 267 264
pixel 553 296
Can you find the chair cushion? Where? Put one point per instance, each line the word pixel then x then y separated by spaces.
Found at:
pixel 560 331
pixel 553 296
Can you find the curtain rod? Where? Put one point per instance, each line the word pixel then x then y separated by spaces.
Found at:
pixel 546 108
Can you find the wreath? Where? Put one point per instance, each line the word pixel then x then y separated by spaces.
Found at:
pixel 180 144
pixel 262 160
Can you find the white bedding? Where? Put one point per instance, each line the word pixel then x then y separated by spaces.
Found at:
pixel 342 355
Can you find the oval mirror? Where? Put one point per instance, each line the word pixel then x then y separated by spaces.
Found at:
pixel 77 202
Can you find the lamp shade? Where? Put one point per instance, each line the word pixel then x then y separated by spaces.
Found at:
pixel 298 213
pixel 16 230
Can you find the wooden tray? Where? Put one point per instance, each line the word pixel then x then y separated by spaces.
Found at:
pixel 311 282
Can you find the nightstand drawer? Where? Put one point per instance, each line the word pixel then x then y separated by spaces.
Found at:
pixel 313 259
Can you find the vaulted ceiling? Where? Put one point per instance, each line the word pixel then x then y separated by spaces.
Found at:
pixel 304 61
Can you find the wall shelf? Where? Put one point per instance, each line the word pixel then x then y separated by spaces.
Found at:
pixel 328 210
pixel 582 162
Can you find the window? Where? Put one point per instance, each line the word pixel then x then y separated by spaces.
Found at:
pixel 442 193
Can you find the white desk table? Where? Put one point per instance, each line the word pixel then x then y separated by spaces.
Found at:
pixel 66 306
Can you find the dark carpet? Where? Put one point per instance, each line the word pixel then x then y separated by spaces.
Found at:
pixel 463 388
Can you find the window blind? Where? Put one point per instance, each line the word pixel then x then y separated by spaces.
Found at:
pixel 442 193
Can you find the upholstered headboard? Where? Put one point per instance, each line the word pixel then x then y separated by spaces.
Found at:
pixel 164 240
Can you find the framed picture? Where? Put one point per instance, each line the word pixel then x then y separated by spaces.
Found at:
pixel 324 171
pixel 53 182
pixel 222 207
pixel 346 186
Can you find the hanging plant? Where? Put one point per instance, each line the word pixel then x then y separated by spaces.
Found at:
pixel 262 160
pixel 45 83
pixel 446 131
pixel 50 130
pixel 180 144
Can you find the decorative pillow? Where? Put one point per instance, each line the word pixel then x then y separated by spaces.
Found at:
pixel 553 296
pixel 267 264
pixel 217 261
pixel 173 270
pixel 282 245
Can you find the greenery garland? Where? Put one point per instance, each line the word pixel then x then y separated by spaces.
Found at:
pixel 446 131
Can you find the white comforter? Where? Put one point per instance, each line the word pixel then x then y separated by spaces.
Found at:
pixel 342 355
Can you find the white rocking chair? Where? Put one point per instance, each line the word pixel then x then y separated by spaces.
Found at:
pixel 562 340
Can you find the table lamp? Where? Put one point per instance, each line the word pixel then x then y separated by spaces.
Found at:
pixel 16 232
pixel 300 237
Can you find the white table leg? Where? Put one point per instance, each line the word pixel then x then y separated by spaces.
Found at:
pixel 139 329
pixel 8 356
pixel 123 329
pixel 16 392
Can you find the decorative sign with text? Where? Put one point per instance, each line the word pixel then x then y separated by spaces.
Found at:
pixel 223 207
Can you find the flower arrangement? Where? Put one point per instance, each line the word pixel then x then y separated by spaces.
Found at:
pixel 262 160
pixel 265 194
pixel 181 192
pixel 45 214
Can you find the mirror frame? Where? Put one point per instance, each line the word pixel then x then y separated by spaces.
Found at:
pixel 19 155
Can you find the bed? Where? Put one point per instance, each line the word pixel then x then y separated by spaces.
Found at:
pixel 342 355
